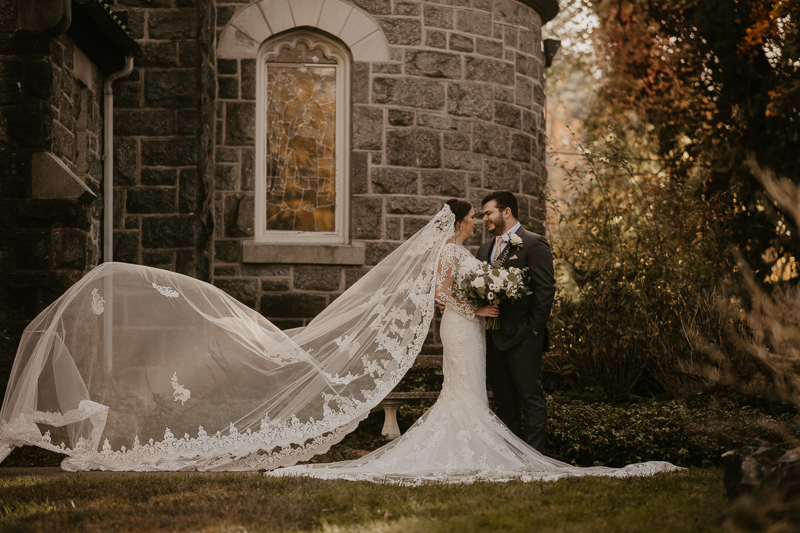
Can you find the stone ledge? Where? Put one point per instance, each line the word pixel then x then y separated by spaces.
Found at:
pixel 52 179
pixel 304 254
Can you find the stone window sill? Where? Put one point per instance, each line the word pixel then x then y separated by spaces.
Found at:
pixel 304 254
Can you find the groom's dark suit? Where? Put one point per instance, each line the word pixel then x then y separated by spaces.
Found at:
pixel 514 352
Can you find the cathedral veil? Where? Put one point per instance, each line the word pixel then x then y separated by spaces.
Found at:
pixel 136 368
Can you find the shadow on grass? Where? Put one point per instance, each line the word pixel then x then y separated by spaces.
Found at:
pixel 679 501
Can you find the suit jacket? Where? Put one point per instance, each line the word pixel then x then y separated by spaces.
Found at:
pixel 520 318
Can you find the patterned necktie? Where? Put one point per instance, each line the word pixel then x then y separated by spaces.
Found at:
pixel 497 247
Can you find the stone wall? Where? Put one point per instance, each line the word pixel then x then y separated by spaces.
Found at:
pixel 50 111
pixel 163 130
pixel 457 111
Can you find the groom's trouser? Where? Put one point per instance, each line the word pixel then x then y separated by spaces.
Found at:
pixel 515 376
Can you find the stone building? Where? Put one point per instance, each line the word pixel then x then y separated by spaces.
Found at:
pixel 277 149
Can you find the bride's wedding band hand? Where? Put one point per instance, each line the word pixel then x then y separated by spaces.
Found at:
pixel 488 311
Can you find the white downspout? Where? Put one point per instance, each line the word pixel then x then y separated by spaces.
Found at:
pixel 108 208
pixel 108 159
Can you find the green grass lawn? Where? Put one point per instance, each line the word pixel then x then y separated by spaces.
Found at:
pixel 678 501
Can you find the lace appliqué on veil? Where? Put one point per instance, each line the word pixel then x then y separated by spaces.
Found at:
pixel 98 303
pixel 169 292
pixel 181 393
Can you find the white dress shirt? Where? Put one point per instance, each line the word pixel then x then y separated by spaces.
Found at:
pixel 506 236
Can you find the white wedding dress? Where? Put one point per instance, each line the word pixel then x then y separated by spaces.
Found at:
pixel 460 439
pixel 140 369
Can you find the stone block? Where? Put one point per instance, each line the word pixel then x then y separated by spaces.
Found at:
pixel 455 141
pixel 412 92
pixel 483 5
pixel 394 181
pixel 400 31
pixel 470 100
pixel 401 117
pixel 474 22
pixel 176 231
pixel 413 225
pixel 461 43
pixel 359 173
pixel 227 66
pixel 169 152
pixel 521 148
pixel 360 87
pixel 526 42
pixel 147 123
pixel 226 155
pixel 489 70
pixel 387 68
pixel 157 54
pixel 126 246
pixel 507 115
pixel 489 48
pixel 533 184
pixel 292 305
pixel 159 176
pixel 462 161
pixel 132 223
pixel 127 95
pixel 436 122
pixel 228 271
pixel 367 128
pixel 29 249
pixel 501 175
pixel 173 25
pixel 377 251
pixel 158 258
pixel 150 200
pixel 266 270
pixel 407 9
pixel 510 37
pixel 126 157
pixel 317 278
pixel 393 228
pixel 433 64
pixel 274 285
pixel 188 122
pixel 504 94
pixel 244 290
pixel 228 252
pixel 351 276
pixel 248 79
pixel 490 140
pixel 39 82
pixel 524 92
pixel 375 7
pixel 248 170
pixel 367 217
pixel 192 263
pixel 310 254
pixel 171 88
pixel 413 148
pixel 226 177
pixel 240 124
pixel 435 39
pixel 444 183
pixel 189 54
pixel 438 17
pixel 191 192
pixel 228 87
pixel 512 12
pixel 531 122
pixel 239 215
pixel 408 205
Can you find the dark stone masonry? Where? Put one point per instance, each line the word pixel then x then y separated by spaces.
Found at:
pixel 446 100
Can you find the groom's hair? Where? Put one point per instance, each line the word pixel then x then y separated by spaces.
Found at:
pixel 504 199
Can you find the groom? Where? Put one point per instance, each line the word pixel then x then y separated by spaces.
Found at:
pixel 514 352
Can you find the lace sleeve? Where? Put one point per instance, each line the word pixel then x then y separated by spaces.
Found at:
pixel 446 272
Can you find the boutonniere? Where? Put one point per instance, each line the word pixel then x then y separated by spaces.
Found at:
pixel 515 241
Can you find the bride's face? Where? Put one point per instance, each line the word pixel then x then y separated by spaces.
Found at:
pixel 468 224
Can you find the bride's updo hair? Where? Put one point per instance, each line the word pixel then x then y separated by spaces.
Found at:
pixel 460 208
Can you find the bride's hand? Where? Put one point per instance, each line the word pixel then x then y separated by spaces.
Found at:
pixel 488 311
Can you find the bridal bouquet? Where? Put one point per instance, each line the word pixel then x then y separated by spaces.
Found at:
pixel 491 285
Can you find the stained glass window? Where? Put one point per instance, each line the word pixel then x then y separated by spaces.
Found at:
pixel 302 190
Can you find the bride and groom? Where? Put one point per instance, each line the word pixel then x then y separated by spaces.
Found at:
pixel 132 357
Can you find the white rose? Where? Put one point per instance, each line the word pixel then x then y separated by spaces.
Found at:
pixel 515 239
pixel 503 275
pixel 478 283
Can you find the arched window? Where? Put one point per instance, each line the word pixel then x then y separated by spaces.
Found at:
pixel 302 139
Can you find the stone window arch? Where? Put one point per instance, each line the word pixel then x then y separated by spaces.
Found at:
pixel 302 139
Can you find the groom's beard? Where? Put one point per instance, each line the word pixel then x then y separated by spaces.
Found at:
pixel 499 227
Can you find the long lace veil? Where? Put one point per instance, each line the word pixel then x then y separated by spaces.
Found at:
pixel 136 368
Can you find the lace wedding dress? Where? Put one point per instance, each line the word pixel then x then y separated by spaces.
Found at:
pixel 460 439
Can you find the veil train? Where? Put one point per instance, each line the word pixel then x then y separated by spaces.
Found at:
pixel 136 368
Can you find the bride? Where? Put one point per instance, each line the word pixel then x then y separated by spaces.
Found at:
pixel 140 369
